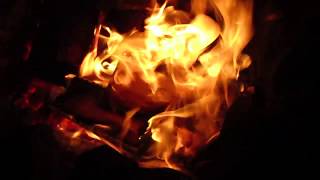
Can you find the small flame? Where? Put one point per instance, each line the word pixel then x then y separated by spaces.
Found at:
pixel 185 61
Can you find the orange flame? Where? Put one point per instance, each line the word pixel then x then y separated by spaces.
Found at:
pixel 186 61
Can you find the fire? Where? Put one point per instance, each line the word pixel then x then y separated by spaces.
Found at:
pixel 185 61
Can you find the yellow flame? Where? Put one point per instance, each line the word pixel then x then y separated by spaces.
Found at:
pixel 187 61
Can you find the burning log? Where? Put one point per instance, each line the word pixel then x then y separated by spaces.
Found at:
pixel 98 110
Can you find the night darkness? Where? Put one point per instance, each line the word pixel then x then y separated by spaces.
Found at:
pixel 267 135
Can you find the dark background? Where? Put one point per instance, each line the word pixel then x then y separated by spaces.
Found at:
pixel 268 134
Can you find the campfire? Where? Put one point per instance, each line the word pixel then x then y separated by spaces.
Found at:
pixel 156 89
pixel 158 96
pixel 178 76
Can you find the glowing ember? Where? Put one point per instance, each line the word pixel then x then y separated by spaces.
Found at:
pixel 185 61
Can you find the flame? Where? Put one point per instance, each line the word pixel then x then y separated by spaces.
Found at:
pixel 187 61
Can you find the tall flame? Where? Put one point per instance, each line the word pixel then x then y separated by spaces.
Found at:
pixel 185 61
